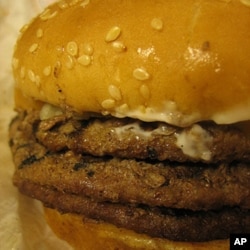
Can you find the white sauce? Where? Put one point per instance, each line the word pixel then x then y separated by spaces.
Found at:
pixel 49 111
pixel 133 128
pixel 140 132
pixel 169 114
pixel 195 142
pixel 233 115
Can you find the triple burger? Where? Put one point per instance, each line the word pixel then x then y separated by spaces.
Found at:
pixel 132 123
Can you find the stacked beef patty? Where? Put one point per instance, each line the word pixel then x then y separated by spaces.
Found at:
pixel 137 175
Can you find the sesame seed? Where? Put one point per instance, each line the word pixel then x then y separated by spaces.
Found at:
pixel 119 46
pixel 31 75
pixel 47 70
pixel 69 62
pixel 245 2
pixel 33 47
pixel 123 108
pixel 84 3
pixel 141 74
pixel 84 60
pixel 63 5
pixel 15 63
pixel 46 15
pixel 53 14
pixel 72 48
pixel 115 92
pixel 108 103
pixel 144 90
pixel 157 24
pixel 88 49
pixel 24 28
pixel 39 33
pixel 113 34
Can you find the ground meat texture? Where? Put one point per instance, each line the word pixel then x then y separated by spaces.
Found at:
pixel 179 225
pixel 180 200
pixel 127 138
pixel 130 181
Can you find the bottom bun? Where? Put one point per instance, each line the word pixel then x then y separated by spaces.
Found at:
pixel 85 234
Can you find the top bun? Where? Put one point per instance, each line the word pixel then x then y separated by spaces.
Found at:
pixel 174 61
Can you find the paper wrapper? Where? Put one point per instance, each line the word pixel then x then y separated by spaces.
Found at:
pixel 22 224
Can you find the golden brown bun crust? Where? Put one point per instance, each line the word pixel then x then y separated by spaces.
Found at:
pixel 86 234
pixel 175 61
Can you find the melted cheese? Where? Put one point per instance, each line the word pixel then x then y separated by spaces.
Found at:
pixel 195 142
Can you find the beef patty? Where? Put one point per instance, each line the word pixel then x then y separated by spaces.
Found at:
pixel 135 175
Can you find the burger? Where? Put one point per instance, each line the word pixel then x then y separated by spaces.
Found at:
pixel 132 123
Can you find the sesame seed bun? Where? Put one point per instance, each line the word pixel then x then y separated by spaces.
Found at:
pixel 156 61
pixel 82 233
